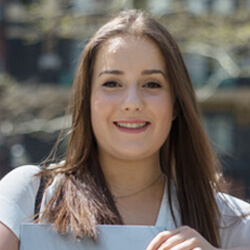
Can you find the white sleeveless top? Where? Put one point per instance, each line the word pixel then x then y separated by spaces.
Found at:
pixel 18 191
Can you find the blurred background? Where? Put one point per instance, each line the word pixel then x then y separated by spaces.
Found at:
pixel 42 40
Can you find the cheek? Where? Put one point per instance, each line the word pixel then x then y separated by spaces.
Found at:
pixel 97 107
pixel 102 106
pixel 163 111
pixel 162 107
pixel 100 100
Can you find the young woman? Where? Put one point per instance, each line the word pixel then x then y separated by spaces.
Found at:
pixel 137 153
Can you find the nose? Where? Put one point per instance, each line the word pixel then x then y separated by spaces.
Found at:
pixel 132 100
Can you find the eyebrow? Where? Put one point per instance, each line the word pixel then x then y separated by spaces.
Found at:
pixel 154 71
pixel 112 72
pixel 144 72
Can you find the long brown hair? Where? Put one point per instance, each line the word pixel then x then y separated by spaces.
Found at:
pixel 83 199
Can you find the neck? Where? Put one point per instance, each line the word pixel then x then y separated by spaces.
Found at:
pixel 126 176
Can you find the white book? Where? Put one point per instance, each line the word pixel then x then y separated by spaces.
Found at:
pixel 110 237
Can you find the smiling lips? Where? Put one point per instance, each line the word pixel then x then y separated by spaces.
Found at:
pixel 132 126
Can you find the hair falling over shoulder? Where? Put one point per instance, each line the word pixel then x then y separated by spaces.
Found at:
pixel 83 199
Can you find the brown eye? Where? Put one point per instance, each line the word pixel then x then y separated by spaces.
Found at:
pixel 111 84
pixel 152 85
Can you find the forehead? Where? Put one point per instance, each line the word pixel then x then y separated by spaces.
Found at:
pixel 129 49
pixel 126 42
pixel 115 43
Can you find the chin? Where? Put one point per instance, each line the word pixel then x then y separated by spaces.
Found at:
pixel 133 155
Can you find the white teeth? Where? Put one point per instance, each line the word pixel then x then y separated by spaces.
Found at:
pixel 131 125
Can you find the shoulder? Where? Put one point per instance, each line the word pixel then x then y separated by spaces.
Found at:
pixel 18 180
pixel 22 177
pixel 230 205
pixel 17 196
pixel 23 172
pixel 235 221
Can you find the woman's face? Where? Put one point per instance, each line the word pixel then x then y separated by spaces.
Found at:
pixel 131 100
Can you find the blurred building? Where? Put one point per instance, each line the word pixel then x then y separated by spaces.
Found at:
pixel 2 58
pixel 44 45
